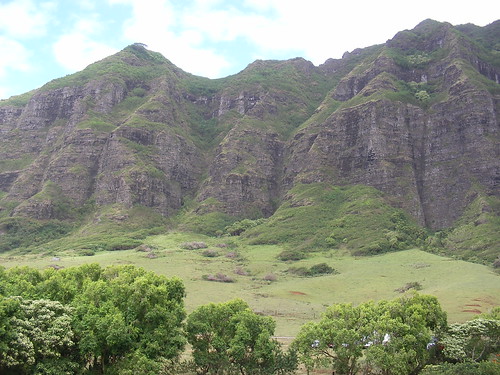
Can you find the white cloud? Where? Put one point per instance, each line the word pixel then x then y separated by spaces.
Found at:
pixel 316 29
pixel 14 59
pixel 157 23
pixel 24 18
pixel 14 56
pixel 75 50
pixel 87 4
pixel 319 29
pixel 4 92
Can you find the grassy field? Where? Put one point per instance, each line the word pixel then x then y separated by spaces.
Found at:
pixel 464 289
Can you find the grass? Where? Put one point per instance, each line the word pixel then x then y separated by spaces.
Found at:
pixel 116 68
pixel 463 288
pixel 110 228
pixel 318 216
pixel 475 237
pixel 17 100
pixel 15 164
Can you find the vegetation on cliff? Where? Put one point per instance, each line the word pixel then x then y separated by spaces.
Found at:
pixel 391 147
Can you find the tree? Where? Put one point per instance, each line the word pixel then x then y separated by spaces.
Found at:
pixel 409 323
pixel 392 336
pixel 115 314
pixel 472 341
pixel 229 338
pixel 129 310
pixel 39 334
pixel 337 339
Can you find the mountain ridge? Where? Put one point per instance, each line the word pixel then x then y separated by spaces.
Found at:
pixel 415 118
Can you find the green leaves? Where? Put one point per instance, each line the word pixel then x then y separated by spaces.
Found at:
pixel 229 338
pixel 103 317
pixel 472 341
pixel 38 331
pixel 392 336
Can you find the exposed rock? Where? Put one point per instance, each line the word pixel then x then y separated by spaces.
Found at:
pixel 416 118
pixel 243 175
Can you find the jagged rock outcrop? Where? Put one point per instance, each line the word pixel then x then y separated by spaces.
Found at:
pixel 416 118
pixel 244 175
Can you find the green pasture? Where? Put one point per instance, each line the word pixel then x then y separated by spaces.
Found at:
pixel 464 289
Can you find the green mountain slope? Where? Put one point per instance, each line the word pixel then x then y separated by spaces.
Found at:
pixel 390 147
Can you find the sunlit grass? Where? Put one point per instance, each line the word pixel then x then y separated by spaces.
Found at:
pixel 463 288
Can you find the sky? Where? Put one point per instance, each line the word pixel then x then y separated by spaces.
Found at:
pixel 41 40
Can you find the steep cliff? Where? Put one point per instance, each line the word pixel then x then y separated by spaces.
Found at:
pixel 416 118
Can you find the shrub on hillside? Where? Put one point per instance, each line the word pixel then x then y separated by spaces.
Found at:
pixel 411 285
pixel 321 269
pixel 271 277
pixel 219 277
pixel 122 244
pixel 239 227
pixel 194 245
pixel 316 270
pixel 292 255
pixel 210 253
pixel 240 271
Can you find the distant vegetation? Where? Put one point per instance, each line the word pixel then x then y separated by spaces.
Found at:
pixel 317 216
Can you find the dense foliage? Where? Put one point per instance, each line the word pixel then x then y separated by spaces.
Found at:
pixel 124 320
pixel 390 337
pixel 88 317
pixel 229 338
pixel 467 368
pixel 472 341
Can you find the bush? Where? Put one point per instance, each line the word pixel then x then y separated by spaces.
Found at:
pixel 209 253
pixel 320 269
pixel 232 255
pixel 411 285
pixel 240 271
pixel 86 252
pixel 422 96
pixel 292 255
pixel 468 368
pixel 220 277
pixel 122 244
pixel 194 245
pixel 316 270
pixel 138 91
pixel 239 227
pixel 271 277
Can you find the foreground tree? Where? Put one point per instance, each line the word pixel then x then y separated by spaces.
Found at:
pixel 229 338
pixel 36 337
pixel 337 339
pixel 116 317
pixel 391 336
pixel 409 324
pixel 472 341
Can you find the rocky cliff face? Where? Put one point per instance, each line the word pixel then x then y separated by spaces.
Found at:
pixel 417 118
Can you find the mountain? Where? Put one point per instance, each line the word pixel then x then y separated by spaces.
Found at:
pixel 392 146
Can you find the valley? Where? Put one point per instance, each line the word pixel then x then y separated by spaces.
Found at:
pixel 463 289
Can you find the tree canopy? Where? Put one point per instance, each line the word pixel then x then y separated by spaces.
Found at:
pixel 123 320
pixel 391 336
pixel 229 338
pixel 93 317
